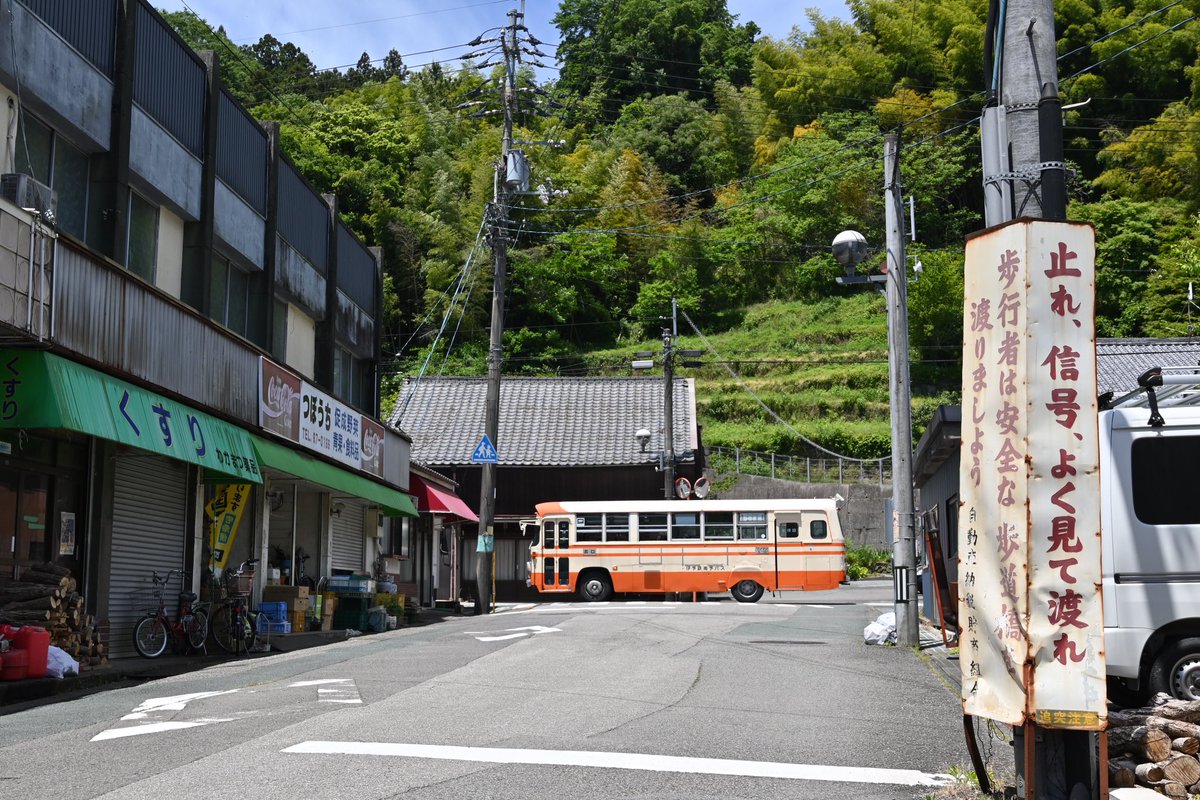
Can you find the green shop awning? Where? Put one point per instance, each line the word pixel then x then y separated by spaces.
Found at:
pixel 394 502
pixel 42 390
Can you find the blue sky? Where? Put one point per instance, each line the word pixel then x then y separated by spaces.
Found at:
pixel 334 34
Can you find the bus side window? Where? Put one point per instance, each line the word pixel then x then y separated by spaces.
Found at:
pixel 652 527
pixel 718 525
pixel 685 526
pixel 616 527
pixel 564 534
pixel 548 531
pixel 752 525
pixel 818 529
pixel 589 528
pixel 789 530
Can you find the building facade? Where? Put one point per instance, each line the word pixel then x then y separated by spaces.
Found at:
pixel 189 333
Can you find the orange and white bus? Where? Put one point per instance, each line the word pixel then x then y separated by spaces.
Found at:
pixel 744 547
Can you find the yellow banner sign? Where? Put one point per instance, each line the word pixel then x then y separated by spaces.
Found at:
pixel 225 511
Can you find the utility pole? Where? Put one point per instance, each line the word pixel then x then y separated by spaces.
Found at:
pixel 668 338
pixel 498 241
pixel 904 552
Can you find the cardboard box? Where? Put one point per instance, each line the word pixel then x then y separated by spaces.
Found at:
pixel 287 594
pixel 298 620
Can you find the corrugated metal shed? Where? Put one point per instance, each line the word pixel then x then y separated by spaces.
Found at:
pixel 547 421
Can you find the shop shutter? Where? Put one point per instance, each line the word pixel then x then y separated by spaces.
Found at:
pixel 149 532
pixel 348 545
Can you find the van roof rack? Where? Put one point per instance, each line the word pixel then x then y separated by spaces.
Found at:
pixel 1167 386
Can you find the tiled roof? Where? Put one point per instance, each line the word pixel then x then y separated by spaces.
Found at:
pixel 546 421
pixel 1119 362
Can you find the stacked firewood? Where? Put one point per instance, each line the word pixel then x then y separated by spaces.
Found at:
pixel 47 597
pixel 1156 746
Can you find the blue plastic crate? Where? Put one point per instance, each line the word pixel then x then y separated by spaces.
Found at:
pixel 274 627
pixel 277 612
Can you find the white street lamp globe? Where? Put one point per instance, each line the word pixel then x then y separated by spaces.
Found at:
pixel 849 248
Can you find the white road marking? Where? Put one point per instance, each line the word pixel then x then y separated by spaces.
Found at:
pixel 816 605
pixel 142 730
pixel 332 690
pixel 150 714
pixel 513 633
pixel 174 703
pixel 880 605
pixel 319 682
pixel 639 761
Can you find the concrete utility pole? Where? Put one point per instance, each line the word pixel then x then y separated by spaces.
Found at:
pixel 498 240
pixel 904 552
pixel 1028 93
pixel 668 338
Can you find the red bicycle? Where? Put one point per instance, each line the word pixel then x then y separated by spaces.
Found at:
pixel 156 629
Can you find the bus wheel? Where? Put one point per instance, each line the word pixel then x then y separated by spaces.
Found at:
pixel 594 586
pixel 746 591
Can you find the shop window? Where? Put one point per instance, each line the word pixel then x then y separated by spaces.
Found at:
pixel 279 329
pixel 350 378
pixel 48 158
pixel 142 243
pixel 229 296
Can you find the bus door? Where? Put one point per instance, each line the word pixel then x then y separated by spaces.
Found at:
pixel 556 561
pixel 792 552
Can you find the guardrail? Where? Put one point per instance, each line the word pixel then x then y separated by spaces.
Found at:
pixel 803 469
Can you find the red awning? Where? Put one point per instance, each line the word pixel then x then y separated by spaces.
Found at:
pixel 434 500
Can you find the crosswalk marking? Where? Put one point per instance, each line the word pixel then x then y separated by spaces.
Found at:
pixel 638 761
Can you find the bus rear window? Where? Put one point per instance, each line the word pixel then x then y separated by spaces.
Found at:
pixel 652 527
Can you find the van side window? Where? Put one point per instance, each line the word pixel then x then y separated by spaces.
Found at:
pixel 1163 493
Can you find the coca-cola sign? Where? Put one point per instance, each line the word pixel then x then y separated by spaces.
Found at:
pixel 279 401
pixel 372 447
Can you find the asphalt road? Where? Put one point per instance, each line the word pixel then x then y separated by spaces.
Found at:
pixel 627 699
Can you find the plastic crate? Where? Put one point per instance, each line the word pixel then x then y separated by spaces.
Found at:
pixel 274 628
pixel 277 612
pixel 351 584
pixel 351 612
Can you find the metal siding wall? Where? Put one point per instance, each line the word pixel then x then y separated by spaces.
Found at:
pixel 108 318
pixel 168 81
pixel 356 270
pixel 242 153
pixel 347 543
pixel 303 218
pixel 149 532
pixel 89 27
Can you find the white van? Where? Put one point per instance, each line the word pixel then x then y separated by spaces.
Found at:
pixel 1150 516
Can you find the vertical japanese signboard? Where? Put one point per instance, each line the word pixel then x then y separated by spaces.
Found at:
pixel 1031 642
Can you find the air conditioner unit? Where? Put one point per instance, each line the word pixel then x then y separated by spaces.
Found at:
pixel 24 191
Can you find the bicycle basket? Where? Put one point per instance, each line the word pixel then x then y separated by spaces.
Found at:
pixel 238 583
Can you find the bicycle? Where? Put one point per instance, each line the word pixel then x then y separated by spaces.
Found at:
pixel 302 576
pixel 234 625
pixel 151 634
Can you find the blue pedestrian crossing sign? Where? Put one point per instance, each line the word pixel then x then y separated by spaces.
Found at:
pixel 485 452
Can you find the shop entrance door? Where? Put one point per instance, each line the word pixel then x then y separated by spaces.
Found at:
pixel 24 510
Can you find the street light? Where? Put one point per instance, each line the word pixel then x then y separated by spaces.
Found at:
pixel 850 248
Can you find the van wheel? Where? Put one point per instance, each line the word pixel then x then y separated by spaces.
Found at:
pixel 594 587
pixel 1176 671
pixel 746 591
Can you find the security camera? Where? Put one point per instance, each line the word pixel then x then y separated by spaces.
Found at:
pixel 849 248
